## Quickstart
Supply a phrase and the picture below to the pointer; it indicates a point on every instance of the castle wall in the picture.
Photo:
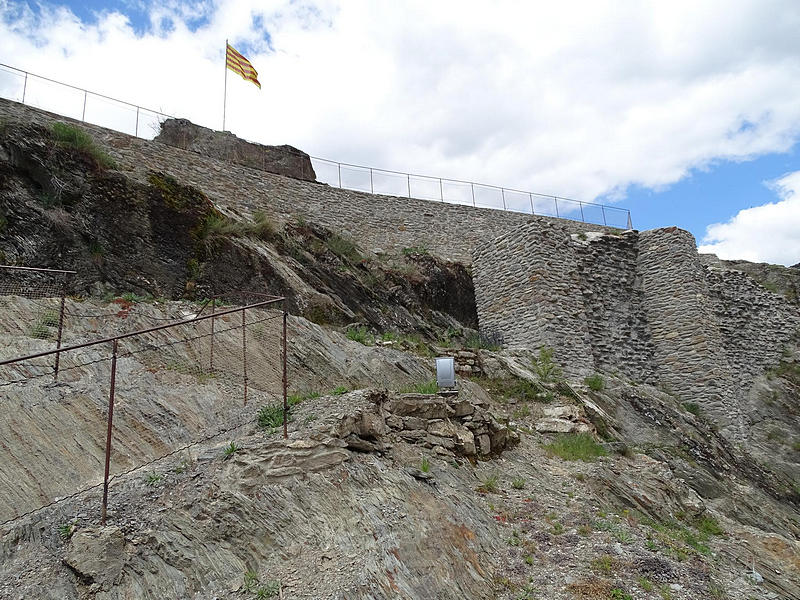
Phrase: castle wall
(638, 304)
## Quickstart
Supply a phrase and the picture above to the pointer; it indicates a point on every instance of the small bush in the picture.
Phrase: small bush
(250, 581)
(620, 594)
(595, 382)
(415, 250)
(270, 416)
(709, 525)
(580, 446)
(692, 407)
(605, 564)
(490, 485)
(261, 227)
(360, 335)
(518, 483)
(230, 450)
(67, 529)
(484, 341)
(153, 479)
(343, 248)
(425, 467)
(338, 391)
(429, 387)
(40, 331)
(70, 136)
(544, 367)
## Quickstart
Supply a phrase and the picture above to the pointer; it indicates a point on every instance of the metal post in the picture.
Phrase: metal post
(630, 223)
(136, 133)
(472, 185)
(285, 381)
(555, 201)
(213, 302)
(371, 187)
(503, 193)
(60, 329)
(409, 184)
(244, 354)
(24, 87)
(83, 116)
(603, 209)
(582, 219)
(340, 174)
(533, 212)
(108, 431)
(441, 189)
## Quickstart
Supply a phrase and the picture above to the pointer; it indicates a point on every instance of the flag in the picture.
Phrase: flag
(239, 64)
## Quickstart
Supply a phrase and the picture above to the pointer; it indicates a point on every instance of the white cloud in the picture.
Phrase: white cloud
(768, 233)
(575, 98)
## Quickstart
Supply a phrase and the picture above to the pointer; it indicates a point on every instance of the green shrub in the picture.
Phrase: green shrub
(692, 407)
(230, 450)
(40, 331)
(429, 387)
(153, 479)
(518, 483)
(70, 136)
(270, 416)
(360, 335)
(544, 367)
(261, 227)
(425, 467)
(581, 446)
(708, 525)
(415, 250)
(595, 382)
(483, 341)
(338, 391)
(343, 248)
(67, 529)
(490, 485)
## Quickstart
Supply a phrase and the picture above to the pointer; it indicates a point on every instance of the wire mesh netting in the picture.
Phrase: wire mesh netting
(174, 385)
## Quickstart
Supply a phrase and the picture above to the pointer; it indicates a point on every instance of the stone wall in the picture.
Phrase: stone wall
(680, 314)
(641, 304)
(386, 223)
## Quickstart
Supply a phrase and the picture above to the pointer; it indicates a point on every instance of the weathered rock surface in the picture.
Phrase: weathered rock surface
(223, 145)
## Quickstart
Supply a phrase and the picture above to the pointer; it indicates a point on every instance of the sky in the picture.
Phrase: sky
(685, 112)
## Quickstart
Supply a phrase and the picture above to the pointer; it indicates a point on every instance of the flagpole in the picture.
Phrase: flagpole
(225, 96)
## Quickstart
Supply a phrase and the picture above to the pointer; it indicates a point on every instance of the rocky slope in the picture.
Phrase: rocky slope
(526, 484)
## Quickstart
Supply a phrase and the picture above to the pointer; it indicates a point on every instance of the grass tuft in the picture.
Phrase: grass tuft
(580, 446)
(70, 136)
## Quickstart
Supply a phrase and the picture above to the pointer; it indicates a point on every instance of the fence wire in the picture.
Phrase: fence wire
(173, 385)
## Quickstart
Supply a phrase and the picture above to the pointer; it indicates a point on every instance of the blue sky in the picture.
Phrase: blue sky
(685, 112)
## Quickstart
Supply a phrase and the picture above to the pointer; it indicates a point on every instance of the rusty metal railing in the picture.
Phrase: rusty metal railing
(178, 347)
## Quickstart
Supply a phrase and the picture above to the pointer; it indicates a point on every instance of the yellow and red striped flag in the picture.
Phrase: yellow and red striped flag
(239, 64)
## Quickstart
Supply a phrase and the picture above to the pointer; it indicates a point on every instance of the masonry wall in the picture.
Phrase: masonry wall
(385, 223)
(640, 304)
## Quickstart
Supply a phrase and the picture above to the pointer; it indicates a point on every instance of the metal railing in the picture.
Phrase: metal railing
(99, 109)
(230, 361)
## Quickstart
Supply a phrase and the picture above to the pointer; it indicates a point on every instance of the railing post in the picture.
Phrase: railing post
(472, 185)
(85, 95)
(340, 173)
(555, 201)
(60, 329)
(441, 189)
(603, 210)
(409, 184)
(582, 219)
(503, 193)
(136, 132)
(371, 187)
(108, 431)
(530, 195)
(211, 362)
(630, 223)
(244, 353)
(25, 87)
(285, 381)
